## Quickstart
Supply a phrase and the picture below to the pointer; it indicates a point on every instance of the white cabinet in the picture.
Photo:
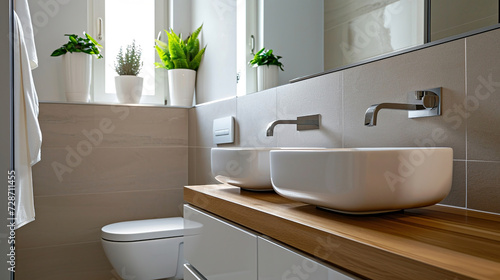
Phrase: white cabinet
(277, 262)
(217, 249)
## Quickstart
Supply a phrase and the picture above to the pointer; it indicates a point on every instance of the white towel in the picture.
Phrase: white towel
(23, 12)
(27, 133)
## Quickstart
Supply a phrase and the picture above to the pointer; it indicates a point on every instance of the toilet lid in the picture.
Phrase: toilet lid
(144, 229)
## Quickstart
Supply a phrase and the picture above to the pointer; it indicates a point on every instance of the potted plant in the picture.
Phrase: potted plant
(267, 68)
(128, 65)
(77, 59)
(181, 58)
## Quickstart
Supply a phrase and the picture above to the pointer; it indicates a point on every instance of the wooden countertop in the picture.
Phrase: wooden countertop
(434, 242)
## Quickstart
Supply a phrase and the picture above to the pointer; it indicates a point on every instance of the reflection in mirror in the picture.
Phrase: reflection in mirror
(453, 17)
(321, 35)
(318, 35)
(357, 30)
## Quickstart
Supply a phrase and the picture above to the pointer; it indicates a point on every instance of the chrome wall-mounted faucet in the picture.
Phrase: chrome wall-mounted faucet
(425, 103)
(303, 123)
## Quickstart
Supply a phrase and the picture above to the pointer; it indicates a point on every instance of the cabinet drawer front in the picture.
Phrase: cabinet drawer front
(277, 262)
(218, 249)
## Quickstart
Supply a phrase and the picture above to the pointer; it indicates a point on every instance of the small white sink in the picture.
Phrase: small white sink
(363, 180)
(247, 168)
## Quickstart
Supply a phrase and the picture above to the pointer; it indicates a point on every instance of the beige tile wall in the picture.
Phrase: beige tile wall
(200, 122)
(482, 121)
(468, 70)
(115, 163)
(321, 95)
(253, 113)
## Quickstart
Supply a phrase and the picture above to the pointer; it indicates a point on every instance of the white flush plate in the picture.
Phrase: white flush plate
(223, 130)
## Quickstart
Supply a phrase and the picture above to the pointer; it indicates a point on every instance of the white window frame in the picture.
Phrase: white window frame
(247, 37)
(96, 14)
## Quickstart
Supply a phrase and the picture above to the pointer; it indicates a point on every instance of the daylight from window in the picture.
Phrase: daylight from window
(127, 20)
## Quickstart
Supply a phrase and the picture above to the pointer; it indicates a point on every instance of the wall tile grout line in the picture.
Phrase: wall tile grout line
(466, 125)
(485, 161)
(109, 192)
(275, 141)
(59, 245)
(343, 107)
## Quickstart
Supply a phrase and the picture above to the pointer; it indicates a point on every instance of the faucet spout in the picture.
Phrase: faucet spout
(272, 125)
(303, 123)
(372, 112)
(422, 103)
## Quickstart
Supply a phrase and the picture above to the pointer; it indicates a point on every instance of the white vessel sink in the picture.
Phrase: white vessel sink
(247, 168)
(363, 180)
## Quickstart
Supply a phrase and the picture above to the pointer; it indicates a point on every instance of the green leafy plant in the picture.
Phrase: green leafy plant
(178, 53)
(129, 63)
(78, 44)
(266, 57)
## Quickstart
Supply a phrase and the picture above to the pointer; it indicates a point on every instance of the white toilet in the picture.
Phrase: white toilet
(145, 249)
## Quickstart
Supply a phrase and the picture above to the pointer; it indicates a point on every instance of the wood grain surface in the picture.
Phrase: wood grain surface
(436, 242)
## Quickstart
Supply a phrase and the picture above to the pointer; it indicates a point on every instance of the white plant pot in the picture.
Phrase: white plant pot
(129, 89)
(267, 77)
(181, 87)
(77, 70)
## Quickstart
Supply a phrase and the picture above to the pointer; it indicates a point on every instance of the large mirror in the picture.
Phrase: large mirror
(312, 36)
(315, 36)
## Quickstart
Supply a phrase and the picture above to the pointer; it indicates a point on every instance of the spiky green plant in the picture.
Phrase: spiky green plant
(129, 63)
(178, 53)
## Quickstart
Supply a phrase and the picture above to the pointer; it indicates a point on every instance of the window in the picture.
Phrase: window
(115, 24)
